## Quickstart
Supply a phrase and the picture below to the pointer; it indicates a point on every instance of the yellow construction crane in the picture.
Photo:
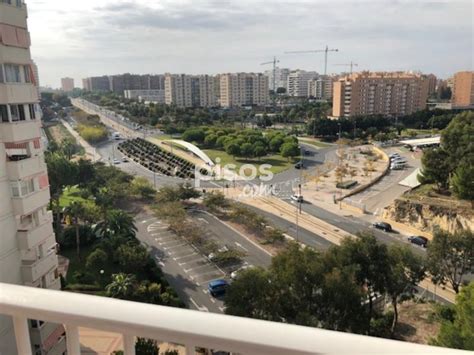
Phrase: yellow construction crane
(326, 50)
(351, 65)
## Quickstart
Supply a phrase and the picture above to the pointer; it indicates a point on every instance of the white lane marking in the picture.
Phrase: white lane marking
(191, 261)
(197, 267)
(174, 246)
(203, 220)
(213, 300)
(200, 308)
(222, 309)
(185, 256)
(205, 291)
(241, 246)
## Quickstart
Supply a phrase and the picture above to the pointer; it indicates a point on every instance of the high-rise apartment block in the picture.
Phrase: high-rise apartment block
(157, 96)
(297, 84)
(463, 89)
(389, 94)
(27, 242)
(121, 82)
(185, 90)
(321, 88)
(281, 78)
(243, 89)
(67, 84)
(96, 83)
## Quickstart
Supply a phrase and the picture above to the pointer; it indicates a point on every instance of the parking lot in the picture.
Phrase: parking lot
(197, 267)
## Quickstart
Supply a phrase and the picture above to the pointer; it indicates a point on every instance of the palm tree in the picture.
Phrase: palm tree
(75, 212)
(122, 286)
(117, 223)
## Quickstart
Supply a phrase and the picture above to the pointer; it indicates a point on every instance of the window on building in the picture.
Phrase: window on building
(21, 110)
(12, 73)
(26, 71)
(4, 113)
(14, 113)
(31, 108)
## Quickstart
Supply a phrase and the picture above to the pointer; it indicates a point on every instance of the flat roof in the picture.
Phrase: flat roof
(422, 141)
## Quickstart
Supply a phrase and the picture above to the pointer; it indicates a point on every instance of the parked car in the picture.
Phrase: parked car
(393, 155)
(398, 160)
(217, 287)
(299, 165)
(383, 226)
(237, 272)
(297, 198)
(212, 256)
(125, 159)
(397, 166)
(116, 161)
(418, 240)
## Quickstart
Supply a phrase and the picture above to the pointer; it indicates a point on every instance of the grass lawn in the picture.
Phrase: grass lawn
(71, 194)
(277, 162)
(314, 142)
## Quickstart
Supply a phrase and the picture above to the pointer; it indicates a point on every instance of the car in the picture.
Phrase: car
(394, 155)
(217, 287)
(397, 166)
(212, 256)
(237, 272)
(299, 165)
(306, 152)
(125, 159)
(398, 159)
(297, 198)
(418, 240)
(383, 226)
(116, 161)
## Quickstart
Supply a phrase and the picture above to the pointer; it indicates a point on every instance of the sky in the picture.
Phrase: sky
(81, 38)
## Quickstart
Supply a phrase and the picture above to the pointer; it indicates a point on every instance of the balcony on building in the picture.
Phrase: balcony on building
(23, 165)
(188, 328)
(32, 270)
(25, 205)
(19, 131)
(33, 233)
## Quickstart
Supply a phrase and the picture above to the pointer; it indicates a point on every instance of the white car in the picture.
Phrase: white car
(116, 161)
(297, 198)
(397, 166)
(237, 272)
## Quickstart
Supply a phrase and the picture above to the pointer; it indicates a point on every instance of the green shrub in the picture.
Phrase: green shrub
(68, 238)
(82, 287)
(92, 134)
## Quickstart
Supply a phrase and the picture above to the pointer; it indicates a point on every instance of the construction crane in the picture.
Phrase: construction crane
(351, 65)
(274, 62)
(326, 50)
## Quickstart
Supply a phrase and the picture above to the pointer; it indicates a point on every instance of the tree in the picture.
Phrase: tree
(117, 223)
(463, 181)
(405, 271)
(96, 260)
(233, 149)
(451, 257)
(436, 168)
(246, 150)
(74, 213)
(456, 139)
(122, 286)
(132, 258)
(459, 333)
(145, 346)
(290, 150)
(141, 187)
(215, 200)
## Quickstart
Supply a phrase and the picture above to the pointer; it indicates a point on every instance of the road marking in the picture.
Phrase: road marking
(191, 261)
(175, 246)
(185, 256)
(241, 246)
(213, 300)
(197, 267)
(205, 291)
(200, 308)
(203, 220)
(222, 309)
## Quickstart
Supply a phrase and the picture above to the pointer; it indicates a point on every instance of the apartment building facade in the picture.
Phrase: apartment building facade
(243, 89)
(281, 78)
(184, 90)
(463, 89)
(27, 243)
(67, 84)
(96, 83)
(380, 93)
(157, 96)
(321, 88)
(297, 83)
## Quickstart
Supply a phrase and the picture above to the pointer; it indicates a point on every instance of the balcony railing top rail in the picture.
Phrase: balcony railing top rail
(187, 327)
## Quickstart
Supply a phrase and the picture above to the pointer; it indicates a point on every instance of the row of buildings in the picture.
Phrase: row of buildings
(183, 90)
(27, 241)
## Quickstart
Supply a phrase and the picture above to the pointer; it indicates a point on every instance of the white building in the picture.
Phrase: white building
(27, 242)
(243, 89)
(281, 78)
(298, 82)
(157, 96)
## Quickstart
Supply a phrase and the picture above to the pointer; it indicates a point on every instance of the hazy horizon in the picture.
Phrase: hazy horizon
(81, 39)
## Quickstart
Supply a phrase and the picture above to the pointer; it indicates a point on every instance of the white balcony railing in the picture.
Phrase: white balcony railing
(189, 328)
